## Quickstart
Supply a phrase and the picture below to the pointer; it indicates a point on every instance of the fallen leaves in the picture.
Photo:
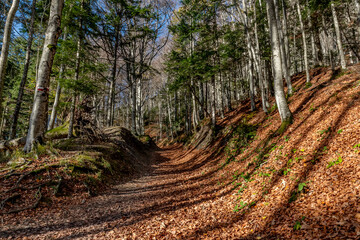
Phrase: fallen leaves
(186, 196)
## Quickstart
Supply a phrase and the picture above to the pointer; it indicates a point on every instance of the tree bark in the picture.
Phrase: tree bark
(286, 34)
(285, 114)
(38, 118)
(5, 48)
(338, 36)
(25, 73)
(284, 61)
(213, 101)
(160, 119)
(304, 42)
(110, 116)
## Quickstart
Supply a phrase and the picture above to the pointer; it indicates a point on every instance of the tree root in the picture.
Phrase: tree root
(29, 207)
(57, 188)
(12, 197)
(90, 192)
(49, 183)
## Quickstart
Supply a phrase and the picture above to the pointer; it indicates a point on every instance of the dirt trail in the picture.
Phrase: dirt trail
(169, 202)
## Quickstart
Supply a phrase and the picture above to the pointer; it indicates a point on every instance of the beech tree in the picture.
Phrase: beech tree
(285, 114)
(5, 48)
(38, 118)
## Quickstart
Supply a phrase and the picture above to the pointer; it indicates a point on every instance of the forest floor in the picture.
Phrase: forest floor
(248, 184)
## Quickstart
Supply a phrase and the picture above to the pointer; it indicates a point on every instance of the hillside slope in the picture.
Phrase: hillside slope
(250, 183)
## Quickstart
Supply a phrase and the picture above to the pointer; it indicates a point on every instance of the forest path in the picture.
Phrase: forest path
(175, 200)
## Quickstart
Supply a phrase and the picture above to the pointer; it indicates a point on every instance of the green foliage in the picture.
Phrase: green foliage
(325, 131)
(295, 194)
(337, 161)
(287, 171)
(240, 206)
(273, 108)
(297, 225)
(357, 148)
(301, 186)
(308, 85)
(241, 137)
(312, 108)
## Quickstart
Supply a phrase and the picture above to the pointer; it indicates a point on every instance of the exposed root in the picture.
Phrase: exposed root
(12, 197)
(29, 207)
(58, 186)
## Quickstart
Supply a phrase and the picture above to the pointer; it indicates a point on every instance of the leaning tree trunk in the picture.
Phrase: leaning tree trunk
(5, 47)
(338, 36)
(285, 113)
(25, 73)
(304, 42)
(38, 118)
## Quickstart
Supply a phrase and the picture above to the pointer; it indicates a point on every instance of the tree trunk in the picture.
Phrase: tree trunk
(38, 118)
(284, 61)
(58, 94)
(304, 42)
(56, 100)
(77, 72)
(286, 34)
(139, 107)
(285, 114)
(25, 73)
(313, 47)
(5, 48)
(252, 86)
(329, 44)
(133, 112)
(338, 37)
(72, 116)
(213, 101)
(169, 117)
(357, 5)
(160, 119)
